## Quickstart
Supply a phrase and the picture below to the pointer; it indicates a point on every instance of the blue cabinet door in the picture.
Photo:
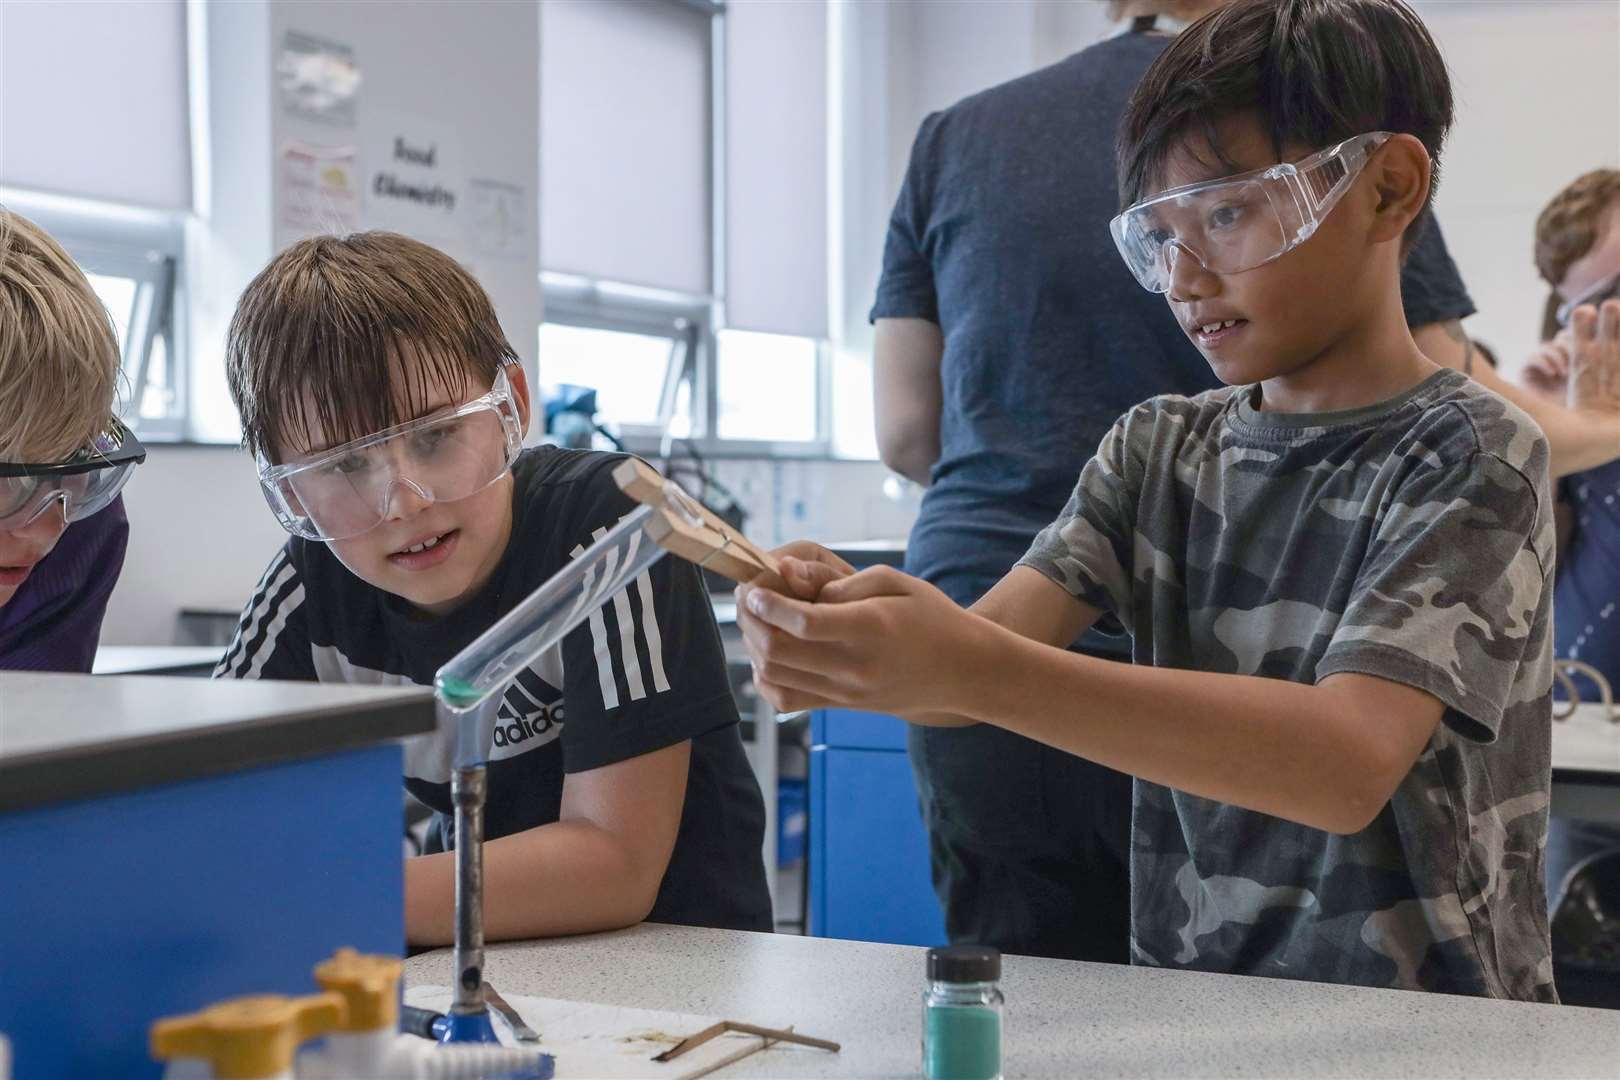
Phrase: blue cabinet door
(856, 730)
(118, 910)
(869, 877)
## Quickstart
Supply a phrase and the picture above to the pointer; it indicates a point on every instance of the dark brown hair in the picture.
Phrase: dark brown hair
(1313, 72)
(354, 334)
(1574, 221)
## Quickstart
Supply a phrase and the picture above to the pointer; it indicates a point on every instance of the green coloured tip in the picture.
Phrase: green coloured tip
(458, 693)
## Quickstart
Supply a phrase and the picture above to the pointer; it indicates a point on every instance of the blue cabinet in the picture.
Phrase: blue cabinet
(869, 877)
(169, 842)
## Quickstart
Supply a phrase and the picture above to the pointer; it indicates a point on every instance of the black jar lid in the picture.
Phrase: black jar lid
(964, 964)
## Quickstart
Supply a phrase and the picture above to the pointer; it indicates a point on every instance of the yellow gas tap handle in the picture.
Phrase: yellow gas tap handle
(249, 1038)
(369, 985)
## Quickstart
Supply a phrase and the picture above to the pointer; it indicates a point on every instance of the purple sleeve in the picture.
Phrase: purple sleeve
(53, 622)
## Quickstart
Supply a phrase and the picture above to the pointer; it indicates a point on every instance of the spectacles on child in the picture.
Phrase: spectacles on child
(345, 491)
(1607, 289)
(78, 487)
(1239, 222)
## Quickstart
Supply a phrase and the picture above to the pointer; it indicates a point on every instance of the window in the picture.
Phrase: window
(627, 370)
(769, 387)
(138, 290)
(132, 260)
(696, 303)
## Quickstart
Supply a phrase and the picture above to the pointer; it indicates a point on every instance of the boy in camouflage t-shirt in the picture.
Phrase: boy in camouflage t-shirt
(1334, 570)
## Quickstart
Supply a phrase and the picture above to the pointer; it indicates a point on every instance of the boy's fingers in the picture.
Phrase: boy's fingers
(799, 682)
(807, 579)
(1594, 367)
(1583, 324)
(806, 551)
(768, 646)
(878, 581)
(1609, 320)
(797, 617)
(784, 700)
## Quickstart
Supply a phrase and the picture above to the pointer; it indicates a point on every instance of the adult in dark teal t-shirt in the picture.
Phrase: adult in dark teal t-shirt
(1010, 337)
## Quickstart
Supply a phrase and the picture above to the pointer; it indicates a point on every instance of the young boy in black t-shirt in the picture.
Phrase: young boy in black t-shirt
(386, 411)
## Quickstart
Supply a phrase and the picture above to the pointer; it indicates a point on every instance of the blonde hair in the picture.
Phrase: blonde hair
(59, 358)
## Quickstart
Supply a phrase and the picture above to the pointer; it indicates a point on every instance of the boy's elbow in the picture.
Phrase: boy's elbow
(1359, 798)
(629, 906)
(1350, 816)
(643, 877)
(906, 459)
(908, 445)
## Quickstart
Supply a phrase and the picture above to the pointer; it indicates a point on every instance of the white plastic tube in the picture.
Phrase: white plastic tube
(565, 600)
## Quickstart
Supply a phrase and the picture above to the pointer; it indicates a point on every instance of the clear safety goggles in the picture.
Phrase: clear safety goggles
(78, 487)
(1239, 222)
(1607, 289)
(347, 490)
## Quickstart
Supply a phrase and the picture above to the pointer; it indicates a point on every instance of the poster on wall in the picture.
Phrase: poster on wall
(415, 176)
(318, 79)
(498, 218)
(319, 189)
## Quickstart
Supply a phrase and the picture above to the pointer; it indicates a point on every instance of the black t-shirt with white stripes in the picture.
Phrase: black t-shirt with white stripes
(647, 671)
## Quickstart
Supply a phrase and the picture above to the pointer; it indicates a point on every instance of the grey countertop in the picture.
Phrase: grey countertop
(1064, 1019)
(155, 659)
(1587, 744)
(72, 736)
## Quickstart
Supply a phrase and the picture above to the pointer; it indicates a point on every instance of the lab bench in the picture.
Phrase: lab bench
(1064, 1018)
(169, 842)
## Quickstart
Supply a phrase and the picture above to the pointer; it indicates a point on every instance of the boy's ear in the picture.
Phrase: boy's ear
(1400, 176)
(519, 380)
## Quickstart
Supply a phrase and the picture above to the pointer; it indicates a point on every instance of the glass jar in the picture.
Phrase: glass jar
(962, 1007)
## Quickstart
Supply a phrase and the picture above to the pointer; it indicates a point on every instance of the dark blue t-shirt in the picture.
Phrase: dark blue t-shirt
(1000, 235)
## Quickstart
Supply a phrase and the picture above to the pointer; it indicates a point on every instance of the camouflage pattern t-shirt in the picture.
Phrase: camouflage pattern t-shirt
(1409, 540)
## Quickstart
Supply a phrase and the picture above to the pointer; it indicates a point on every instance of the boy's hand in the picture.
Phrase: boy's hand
(878, 640)
(806, 567)
(1594, 358)
(1547, 371)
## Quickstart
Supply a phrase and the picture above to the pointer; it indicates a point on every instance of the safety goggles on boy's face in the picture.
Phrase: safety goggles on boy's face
(78, 487)
(347, 490)
(1239, 222)
(1607, 289)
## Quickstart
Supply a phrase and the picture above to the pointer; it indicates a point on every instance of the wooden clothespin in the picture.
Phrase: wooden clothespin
(687, 528)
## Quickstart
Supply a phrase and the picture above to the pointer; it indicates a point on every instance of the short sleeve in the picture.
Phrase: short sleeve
(906, 287)
(272, 638)
(1452, 598)
(1089, 549)
(647, 670)
(1432, 290)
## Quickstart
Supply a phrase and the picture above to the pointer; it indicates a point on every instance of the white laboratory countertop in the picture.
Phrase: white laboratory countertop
(1588, 743)
(155, 659)
(1064, 1019)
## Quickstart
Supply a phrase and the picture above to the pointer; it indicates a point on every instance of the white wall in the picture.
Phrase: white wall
(1537, 84)
(200, 535)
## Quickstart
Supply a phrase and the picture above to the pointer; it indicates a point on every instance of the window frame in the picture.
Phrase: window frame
(573, 301)
(147, 247)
